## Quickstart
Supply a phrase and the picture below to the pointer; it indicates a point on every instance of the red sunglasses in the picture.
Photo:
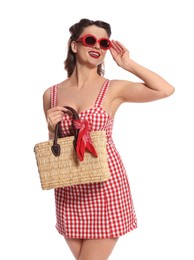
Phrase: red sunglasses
(90, 40)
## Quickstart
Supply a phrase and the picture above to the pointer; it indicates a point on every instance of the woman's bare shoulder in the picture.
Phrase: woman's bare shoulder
(47, 92)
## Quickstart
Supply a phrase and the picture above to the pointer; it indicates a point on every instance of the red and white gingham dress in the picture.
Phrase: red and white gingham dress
(100, 210)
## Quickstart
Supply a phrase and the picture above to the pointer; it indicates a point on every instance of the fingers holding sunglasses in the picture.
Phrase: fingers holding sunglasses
(118, 47)
(119, 53)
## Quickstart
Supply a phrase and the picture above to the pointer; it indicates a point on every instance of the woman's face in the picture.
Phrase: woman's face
(93, 54)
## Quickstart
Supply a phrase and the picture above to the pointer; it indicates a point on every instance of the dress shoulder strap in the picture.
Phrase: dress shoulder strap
(54, 95)
(102, 94)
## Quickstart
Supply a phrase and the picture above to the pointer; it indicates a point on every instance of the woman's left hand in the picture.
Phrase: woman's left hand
(119, 53)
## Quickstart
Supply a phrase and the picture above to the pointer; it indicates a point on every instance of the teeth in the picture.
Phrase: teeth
(94, 53)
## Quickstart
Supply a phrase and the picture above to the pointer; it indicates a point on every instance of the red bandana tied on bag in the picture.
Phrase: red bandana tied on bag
(84, 140)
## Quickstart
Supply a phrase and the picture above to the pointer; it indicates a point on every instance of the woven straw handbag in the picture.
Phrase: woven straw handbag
(72, 160)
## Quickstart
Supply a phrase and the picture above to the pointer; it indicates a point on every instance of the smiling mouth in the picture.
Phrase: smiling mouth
(94, 54)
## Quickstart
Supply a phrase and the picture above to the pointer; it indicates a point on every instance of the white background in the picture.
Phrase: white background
(155, 139)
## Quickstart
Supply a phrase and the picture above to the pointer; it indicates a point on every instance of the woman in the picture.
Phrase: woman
(92, 217)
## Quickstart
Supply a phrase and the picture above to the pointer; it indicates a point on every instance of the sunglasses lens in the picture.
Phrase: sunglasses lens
(90, 40)
(105, 44)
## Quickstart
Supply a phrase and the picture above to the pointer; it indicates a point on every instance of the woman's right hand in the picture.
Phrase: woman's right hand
(53, 116)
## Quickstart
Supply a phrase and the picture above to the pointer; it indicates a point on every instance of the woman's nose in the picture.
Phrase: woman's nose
(96, 46)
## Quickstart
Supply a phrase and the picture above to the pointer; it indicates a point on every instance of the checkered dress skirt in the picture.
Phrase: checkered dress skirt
(99, 210)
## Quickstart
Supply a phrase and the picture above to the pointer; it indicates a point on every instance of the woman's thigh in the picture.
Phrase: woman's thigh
(97, 249)
(75, 246)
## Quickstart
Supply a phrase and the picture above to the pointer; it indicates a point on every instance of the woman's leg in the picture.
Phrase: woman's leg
(97, 249)
(75, 246)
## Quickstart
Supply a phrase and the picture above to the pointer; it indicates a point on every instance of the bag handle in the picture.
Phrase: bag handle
(55, 148)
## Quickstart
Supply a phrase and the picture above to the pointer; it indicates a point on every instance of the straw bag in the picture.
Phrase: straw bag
(73, 160)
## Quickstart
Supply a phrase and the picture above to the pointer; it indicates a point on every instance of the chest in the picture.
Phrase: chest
(80, 99)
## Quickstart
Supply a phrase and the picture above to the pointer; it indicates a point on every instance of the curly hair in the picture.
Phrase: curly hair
(75, 31)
